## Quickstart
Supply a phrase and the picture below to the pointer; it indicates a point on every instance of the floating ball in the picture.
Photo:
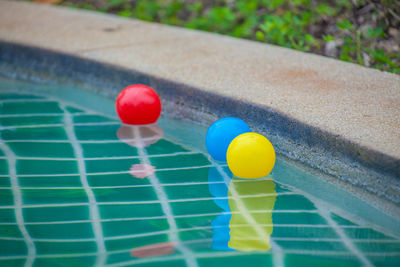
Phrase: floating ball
(138, 104)
(250, 155)
(220, 135)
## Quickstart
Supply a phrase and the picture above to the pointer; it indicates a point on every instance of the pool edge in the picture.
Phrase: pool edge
(332, 154)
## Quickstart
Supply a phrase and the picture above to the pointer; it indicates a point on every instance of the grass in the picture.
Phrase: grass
(359, 31)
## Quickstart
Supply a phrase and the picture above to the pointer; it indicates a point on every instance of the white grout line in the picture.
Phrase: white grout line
(18, 204)
(288, 239)
(31, 115)
(133, 186)
(346, 240)
(51, 239)
(106, 173)
(182, 216)
(194, 228)
(310, 239)
(203, 255)
(106, 158)
(24, 100)
(190, 259)
(93, 208)
(130, 202)
(60, 125)
(278, 255)
(37, 141)
(94, 141)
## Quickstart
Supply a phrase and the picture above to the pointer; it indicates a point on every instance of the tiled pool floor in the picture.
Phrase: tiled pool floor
(77, 188)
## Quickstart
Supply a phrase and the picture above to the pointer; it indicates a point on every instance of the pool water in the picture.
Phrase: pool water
(77, 188)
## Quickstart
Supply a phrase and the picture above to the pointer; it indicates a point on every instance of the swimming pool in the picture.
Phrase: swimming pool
(77, 188)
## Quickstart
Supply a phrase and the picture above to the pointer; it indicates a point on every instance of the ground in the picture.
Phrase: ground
(364, 32)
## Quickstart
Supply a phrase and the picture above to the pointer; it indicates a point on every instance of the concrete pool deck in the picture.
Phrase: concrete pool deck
(334, 116)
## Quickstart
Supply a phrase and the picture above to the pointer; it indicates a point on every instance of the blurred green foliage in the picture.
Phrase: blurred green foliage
(354, 31)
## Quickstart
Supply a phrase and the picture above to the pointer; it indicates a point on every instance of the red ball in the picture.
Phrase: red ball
(138, 104)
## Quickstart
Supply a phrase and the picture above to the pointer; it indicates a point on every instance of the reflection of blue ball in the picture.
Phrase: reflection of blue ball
(220, 135)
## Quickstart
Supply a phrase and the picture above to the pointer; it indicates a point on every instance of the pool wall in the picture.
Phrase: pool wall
(355, 164)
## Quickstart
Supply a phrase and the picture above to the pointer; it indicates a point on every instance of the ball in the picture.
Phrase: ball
(250, 155)
(220, 135)
(138, 104)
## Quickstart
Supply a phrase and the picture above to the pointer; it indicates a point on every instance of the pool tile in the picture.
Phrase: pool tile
(341, 221)
(194, 234)
(164, 147)
(130, 211)
(123, 179)
(41, 133)
(48, 248)
(7, 215)
(194, 221)
(30, 120)
(12, 263)
(53, 196)
(161, 263)
(110, 165)
(124, 228)
(79, 261)
(376, 246)
(5, 182)
(188, 191)
(179, 161)
(50, 181)
(74, 110)
(125, 194)
(200, 246)
(90, 118)
(303, 232)
(100, 150)
(6, 197)
(297, 218)
(56, 214)
(184, 175)
(385, 260)
(312, 245)
(364, 233)
(10, 231)
(293, 260)
(68, 230)
(97, 132)
(3, 167)
(29, 107)
(134, 242)
(12, 247)
(239, 260)
(42, 149)
(286, 202)
(195, 207)
(49, 167)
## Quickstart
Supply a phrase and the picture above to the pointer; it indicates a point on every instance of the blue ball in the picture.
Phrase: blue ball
(220, 135)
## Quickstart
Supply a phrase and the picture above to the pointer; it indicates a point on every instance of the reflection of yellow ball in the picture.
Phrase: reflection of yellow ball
(250, 155)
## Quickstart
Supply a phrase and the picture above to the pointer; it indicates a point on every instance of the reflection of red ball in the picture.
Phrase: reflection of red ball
(138, 104)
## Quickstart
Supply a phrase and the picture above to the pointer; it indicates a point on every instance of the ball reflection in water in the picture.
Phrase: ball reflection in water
(153, 250)
(142, 170)
(140, 136)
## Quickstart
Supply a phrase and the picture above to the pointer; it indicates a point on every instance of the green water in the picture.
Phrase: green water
(79, 189)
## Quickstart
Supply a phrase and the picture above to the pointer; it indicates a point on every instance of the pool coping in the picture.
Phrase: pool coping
(335, 153)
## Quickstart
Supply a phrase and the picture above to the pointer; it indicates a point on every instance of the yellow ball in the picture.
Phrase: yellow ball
(250, 155)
